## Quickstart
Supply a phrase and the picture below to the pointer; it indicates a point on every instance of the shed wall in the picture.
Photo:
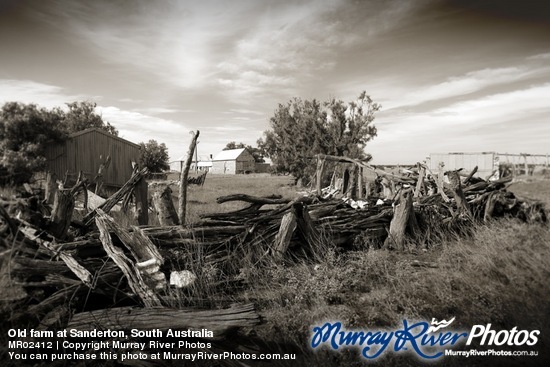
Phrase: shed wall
(82, 153)
(486, 162)
(224, 167)
(242, 164)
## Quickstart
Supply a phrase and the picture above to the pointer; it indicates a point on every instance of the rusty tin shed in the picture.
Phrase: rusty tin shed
(86, 150)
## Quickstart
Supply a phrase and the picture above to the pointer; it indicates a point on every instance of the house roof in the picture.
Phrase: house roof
(228, 155)
(87, 131)
(202, 158)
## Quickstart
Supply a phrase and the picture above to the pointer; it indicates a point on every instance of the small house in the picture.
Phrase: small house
(233, 161)
(86, 150)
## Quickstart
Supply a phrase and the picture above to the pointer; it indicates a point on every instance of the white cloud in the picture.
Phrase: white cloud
(491, 123)
(229, 128)
(138, 127)
(28, 91)
(245, 111)
(465, 84)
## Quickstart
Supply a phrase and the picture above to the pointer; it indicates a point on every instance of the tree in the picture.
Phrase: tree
(25, 131)
(301, 129)
(256, 152)
(154, 156)
(350, 126)
(82, 115)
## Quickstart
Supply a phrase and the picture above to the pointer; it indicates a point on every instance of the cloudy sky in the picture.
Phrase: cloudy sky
(462, 75)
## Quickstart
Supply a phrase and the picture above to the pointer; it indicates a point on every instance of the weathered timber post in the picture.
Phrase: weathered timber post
(283, 237)
(352, 188)
(439, 182)
(51, 188)
(367, 189)
(420, 181)
(182, 204)
(398, 225)
(320, 169)
(387, 188)
(490, 205)
(164, 206)
(359, 182)
(458, 194)
(126, 265)
(306, 228)
(62, 213)
(470, 175)
(142, 204)
(99, 177)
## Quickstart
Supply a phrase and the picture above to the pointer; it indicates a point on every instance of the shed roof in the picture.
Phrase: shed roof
(228, 155)
(87, 131)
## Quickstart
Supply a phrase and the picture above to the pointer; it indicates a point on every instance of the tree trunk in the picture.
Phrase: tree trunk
(164, 206)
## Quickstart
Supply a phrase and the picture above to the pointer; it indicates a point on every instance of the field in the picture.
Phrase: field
(497, 274)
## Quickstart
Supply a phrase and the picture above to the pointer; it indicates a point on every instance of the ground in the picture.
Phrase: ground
(497, 274)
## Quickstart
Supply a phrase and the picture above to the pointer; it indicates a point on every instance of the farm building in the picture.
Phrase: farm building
(204, 164)
(503, 164)
(86, 150)
(233, 161)
(486, 162)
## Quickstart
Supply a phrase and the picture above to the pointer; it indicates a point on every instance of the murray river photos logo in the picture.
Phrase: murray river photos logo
(427, 340)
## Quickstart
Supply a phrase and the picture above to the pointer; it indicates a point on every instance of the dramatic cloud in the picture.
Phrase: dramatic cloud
(450, 75)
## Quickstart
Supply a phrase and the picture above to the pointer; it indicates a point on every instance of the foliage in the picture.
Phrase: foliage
(301, 129)
(154, 156)
(26, 131)
(81, 116)
(256, 152)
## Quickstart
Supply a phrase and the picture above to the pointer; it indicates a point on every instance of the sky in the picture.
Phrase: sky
(451, 75)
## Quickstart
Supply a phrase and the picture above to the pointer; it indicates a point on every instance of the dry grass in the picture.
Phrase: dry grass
(202, 199)
(536, 188)
(496, 275)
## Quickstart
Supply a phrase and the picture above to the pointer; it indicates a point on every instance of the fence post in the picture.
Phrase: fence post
(183, 179)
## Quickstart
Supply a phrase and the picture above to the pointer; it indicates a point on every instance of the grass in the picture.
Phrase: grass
(536, 188)
(202, 199)
(498, 275)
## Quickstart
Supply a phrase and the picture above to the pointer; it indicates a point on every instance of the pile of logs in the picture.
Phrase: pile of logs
(74, 273)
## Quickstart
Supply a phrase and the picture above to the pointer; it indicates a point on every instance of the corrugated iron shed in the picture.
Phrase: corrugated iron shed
(86, 150)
